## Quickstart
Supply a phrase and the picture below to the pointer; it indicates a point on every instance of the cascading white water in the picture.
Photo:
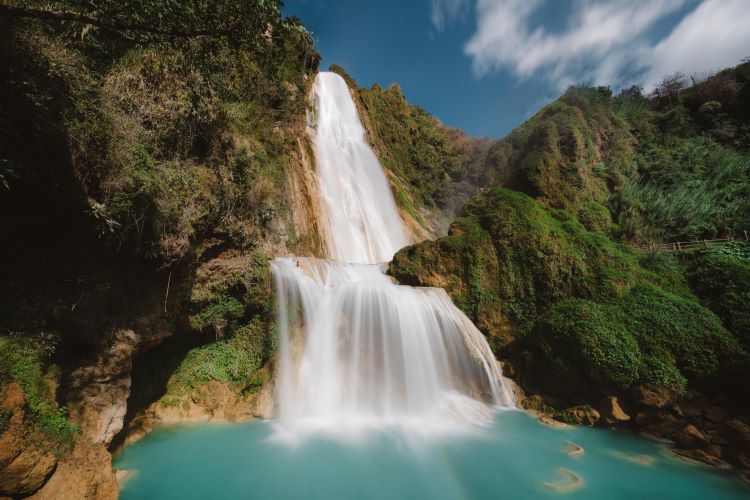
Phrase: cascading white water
(355, 348)
(359, 216)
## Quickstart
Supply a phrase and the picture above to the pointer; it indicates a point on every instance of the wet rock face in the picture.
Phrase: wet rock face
(24, 464)
(85, 473)
(98, 392)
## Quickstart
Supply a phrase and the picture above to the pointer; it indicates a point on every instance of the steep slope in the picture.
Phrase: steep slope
(150, 162)
(585, 320)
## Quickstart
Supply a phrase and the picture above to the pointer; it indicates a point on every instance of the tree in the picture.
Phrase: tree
(633, 93)
(670, 87)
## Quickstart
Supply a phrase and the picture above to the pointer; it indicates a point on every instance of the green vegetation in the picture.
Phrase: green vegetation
(570, 154)
(647, 337)
(589, 316)
(233, 306)
(26, 362)
(720, 277)
(170, 127)
(541, 272)
(235, 360)
(510, 255)
(690, 189)
(671, 167)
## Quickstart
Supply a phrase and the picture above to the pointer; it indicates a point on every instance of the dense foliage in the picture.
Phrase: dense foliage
(26, 362)
(721, 278)
(669, 167)
(589, 316)
(170, 116)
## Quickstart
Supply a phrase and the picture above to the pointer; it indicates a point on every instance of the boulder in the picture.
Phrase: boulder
(86, 473)
(653, 397)
(580, 415)
(689, 437)
(611, 411)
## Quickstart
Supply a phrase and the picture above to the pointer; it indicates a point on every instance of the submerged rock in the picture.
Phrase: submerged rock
(572, 481)
(573, 450)
(547, 420)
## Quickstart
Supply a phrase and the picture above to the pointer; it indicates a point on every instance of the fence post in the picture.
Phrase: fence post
(674, 247)
(746, 238)
(679, 246)
(705, 244)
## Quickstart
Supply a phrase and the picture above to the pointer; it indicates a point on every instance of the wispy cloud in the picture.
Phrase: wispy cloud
(602, 41)
(713, 36)
(446, 11)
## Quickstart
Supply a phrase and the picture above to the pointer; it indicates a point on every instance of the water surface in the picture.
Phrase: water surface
(514, 457)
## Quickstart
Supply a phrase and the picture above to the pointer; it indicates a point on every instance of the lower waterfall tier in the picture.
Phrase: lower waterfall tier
(357, 349)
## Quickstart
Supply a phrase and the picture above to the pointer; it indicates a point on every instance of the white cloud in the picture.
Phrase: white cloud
(713, 36)
(602, 41)
(445, 11)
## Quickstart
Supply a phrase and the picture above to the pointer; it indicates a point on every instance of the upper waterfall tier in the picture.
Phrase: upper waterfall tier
(360, 218)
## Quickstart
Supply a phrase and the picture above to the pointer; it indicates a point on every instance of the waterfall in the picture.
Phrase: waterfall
(359, 216)
(356, 348)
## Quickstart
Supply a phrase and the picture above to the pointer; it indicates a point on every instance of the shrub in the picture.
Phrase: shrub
(234, 360)
(649, 336)
(24, 361)
(720, 277)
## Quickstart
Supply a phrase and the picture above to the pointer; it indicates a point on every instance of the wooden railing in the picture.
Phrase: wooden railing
(679, 246)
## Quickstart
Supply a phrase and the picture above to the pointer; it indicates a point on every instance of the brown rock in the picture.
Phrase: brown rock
(25, 463)
(686, 411)
(533, 402)
(701, 456)
(546, 420)
(654, 397)
(86, 473)
(665, 424)
(642, 418)
(715, 414)
(98, 393)
(736, 430)
(611, 411)
(581, 415)
(689, 437)
(714, 450)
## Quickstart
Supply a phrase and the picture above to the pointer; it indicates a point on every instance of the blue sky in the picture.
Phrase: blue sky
(487, 65)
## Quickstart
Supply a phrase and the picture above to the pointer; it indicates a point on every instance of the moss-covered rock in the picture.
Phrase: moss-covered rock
(648, 337)
(590, 317)
(507, 258)
(570, 153)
